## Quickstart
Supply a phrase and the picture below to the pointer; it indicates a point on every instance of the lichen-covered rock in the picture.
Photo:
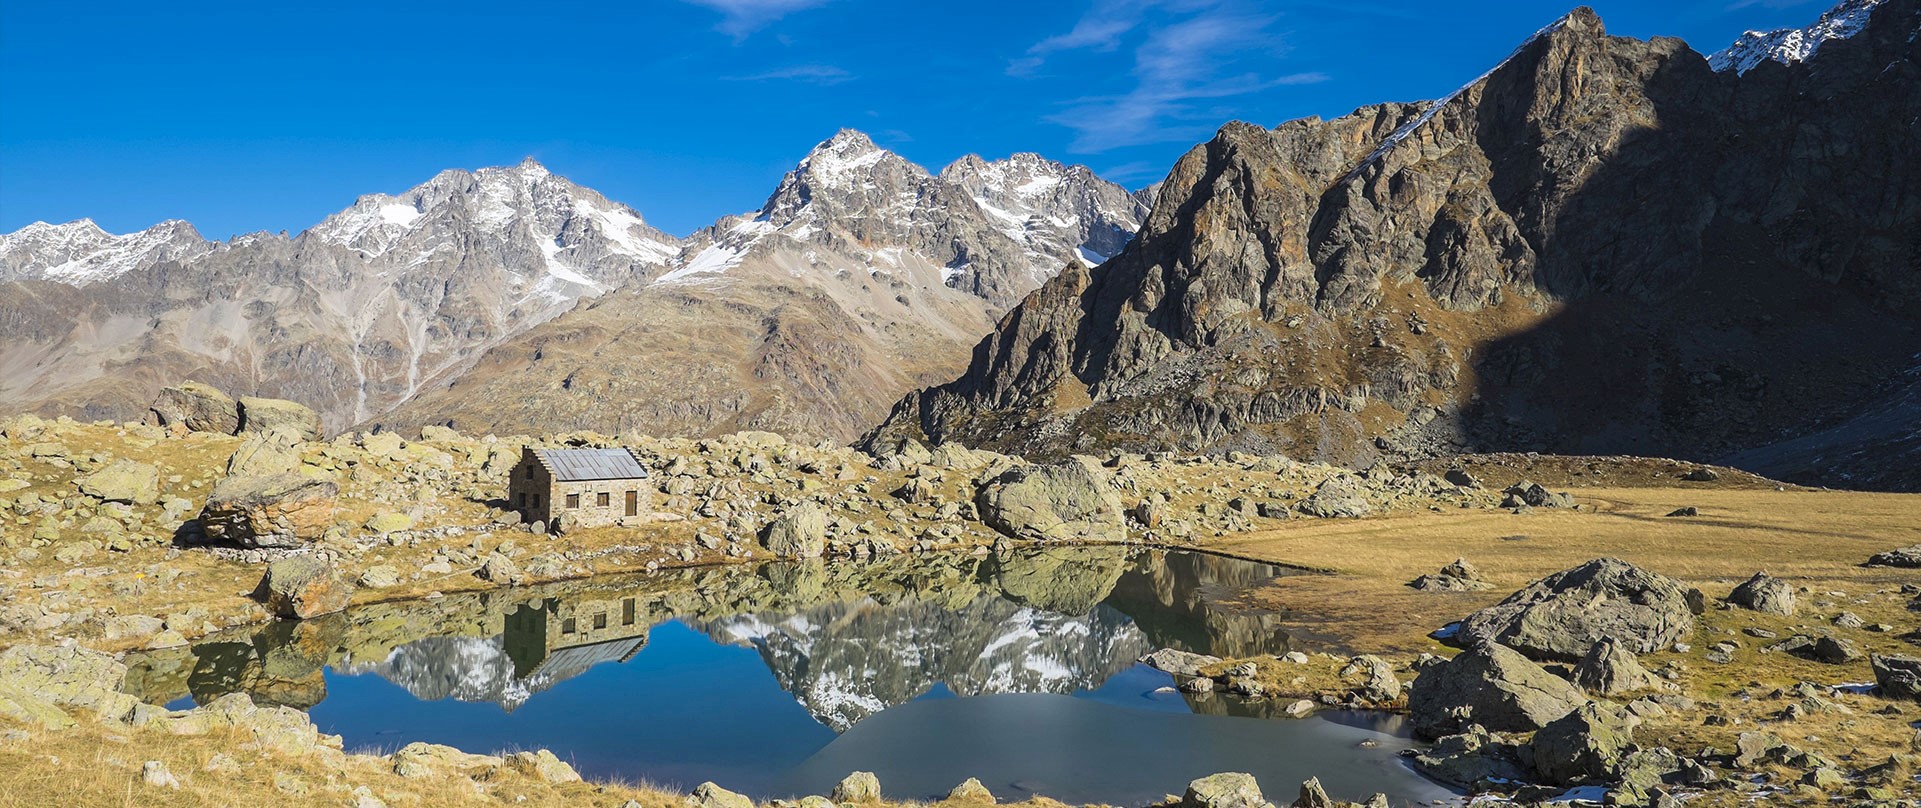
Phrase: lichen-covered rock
(301, 587)
(1610, 668)
(69, 676)
(1583, 746)
(1491, 685)
(267, 414)
(709, 795)
(266, 453)
(1337, 497)
(542, 765)
(970, 790)
(196, 407)
(1178, 662)
(798, 532)
(1224, 790)
(857, 787)
(1766, 594)
(123, 481)
(1563, 615)
(1069, 500)
(279, 510)
(1471, 759)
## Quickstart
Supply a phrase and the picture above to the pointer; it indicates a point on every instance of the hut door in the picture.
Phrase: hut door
(633, 503)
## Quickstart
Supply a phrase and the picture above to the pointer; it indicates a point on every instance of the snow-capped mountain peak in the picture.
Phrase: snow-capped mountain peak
(1792, 45)
(80, 253)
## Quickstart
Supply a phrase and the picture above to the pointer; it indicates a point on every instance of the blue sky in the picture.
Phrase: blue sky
(263, 116)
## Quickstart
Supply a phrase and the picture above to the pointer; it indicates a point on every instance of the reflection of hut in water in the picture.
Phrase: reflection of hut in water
(557, 639)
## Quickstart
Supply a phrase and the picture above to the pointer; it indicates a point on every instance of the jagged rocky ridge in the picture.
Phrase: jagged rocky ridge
(861, 270)
(862, 277)
(1603, 245)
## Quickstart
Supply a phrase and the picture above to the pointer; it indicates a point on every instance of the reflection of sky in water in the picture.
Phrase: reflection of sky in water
(924, 692)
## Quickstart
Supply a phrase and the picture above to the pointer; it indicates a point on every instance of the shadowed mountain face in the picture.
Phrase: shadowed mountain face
(847, 641)
(1601, 246)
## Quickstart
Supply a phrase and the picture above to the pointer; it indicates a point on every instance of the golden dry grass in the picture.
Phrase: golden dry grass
(1817, 539)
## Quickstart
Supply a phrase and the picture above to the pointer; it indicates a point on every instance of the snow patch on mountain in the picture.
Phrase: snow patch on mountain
(1794, 45)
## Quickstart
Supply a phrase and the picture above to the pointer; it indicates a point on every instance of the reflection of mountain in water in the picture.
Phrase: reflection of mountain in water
(846, 661)
(846, 640)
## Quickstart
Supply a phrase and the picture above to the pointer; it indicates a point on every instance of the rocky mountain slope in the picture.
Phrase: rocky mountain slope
(1603, 245)
(352, 316)
(863, 272)
(862, 277)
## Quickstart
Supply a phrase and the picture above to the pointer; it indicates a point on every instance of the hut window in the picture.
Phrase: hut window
(627, 612)
(567, 626)
(600, 620)
(536, 500)
(573, 501)
(523, 499)
(530, 472)
(603, 499)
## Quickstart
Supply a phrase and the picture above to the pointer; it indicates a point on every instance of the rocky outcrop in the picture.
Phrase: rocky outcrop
(195, 407)
(1904, 558)
(1766, 594)
(279, 510)
(1410, 279)
(37, 680)
(1224, 790)
(1584, 746)
(262, 415)
(302, 587)
(799, 532)
(1069, 500)
(1610, 669)
(1899, 677)
(1563, 615)
(1490, 685)
(123, 481)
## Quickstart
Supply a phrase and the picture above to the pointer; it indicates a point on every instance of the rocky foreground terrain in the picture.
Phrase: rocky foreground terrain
(1717, 684)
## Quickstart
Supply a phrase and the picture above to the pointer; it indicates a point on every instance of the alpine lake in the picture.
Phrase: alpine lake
(777, 680)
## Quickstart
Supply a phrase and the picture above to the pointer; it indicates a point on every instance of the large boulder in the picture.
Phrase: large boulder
(1610, 668)
(1766, 594)
(1583, 746)
(263, 453)
(1224, 790)
(67, 675)
(1069, 500)
(1337, 498)
(267, 414)
(1898, 676)
(799, 532)
(1563, 615)
(277, 510)
(1178, 662)
(1491, 685)
(709, 795)
(301, 587)
(1903, 557)
(857, 787)
(196, 407)
(123, 481)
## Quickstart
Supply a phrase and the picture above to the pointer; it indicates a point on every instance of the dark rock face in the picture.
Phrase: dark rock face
(1583, 746)
(1533, 263)
(1563, 615)
(1899, 677)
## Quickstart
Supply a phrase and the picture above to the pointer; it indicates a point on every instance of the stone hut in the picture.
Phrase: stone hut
(576, 488)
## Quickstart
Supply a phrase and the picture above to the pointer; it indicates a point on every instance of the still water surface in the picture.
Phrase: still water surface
(779, 680)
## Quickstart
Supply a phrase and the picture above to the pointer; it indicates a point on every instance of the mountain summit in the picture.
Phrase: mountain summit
(1602, 245)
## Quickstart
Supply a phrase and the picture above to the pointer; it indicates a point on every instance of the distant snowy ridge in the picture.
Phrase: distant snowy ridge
(79, 253)
(1793, 45)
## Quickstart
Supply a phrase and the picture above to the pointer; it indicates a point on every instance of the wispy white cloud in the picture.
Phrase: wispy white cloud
(742, 17)
(1185, 57)
(809, 74)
